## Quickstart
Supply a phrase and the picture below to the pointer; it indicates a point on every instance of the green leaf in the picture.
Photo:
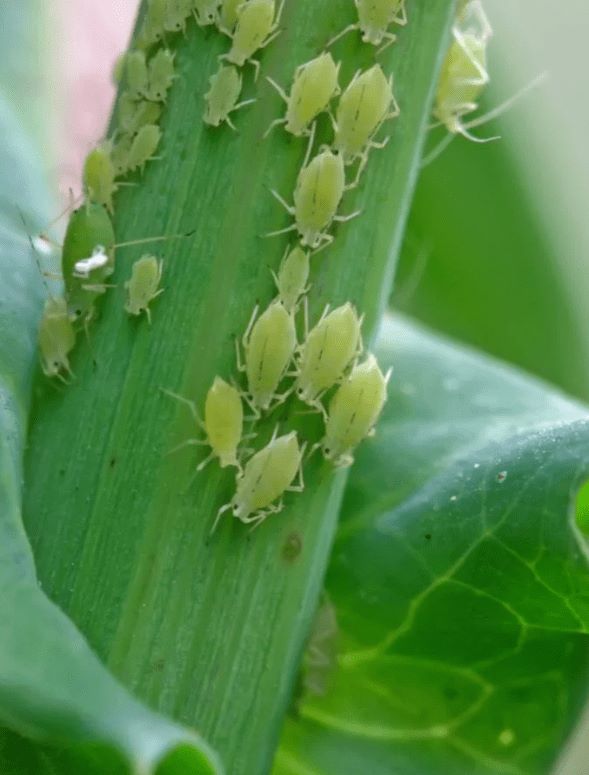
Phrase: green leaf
(53, 689)
(207, 630)
(460, 582)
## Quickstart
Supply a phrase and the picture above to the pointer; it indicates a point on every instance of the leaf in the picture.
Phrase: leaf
(52, 687)
(460, 582)
(210, 630)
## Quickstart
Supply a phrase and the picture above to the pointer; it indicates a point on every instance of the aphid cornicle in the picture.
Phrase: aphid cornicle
(366, 103)
(326, 353)
(137, 75)
(269, 344)
(256, 26)
(206, 11)
(320, 187)
(266, 476)
(56, 338)
(221, 99)
(228, 15)
(161, 75)
(88, 229)
(99, 176)
(314, 85)
(292, 277)
(143, 147)
(374, 19)
(354, 410)
(223, 423)
(143, 286)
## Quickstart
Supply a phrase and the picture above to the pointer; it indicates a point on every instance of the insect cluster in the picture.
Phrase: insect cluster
(281, 359)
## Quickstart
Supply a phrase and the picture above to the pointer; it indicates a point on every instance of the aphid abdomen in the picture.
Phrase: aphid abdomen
(267, 475)
(354, 410)
(314, 85)
(462, 80)
(319, 191)
(255, 20)
(99, 176)
(269, 350)
(327, 351)
(292, 278)
(224, 421)
(143, 286)
(56, 337)
(143, 146)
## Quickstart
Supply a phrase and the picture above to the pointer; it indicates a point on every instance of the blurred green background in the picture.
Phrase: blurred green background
(496, 248)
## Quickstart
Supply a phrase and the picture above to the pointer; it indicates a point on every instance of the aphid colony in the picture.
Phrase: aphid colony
(325, 368)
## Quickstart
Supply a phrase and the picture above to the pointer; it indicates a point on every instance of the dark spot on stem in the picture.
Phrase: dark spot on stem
(428, 536)
(292, 547)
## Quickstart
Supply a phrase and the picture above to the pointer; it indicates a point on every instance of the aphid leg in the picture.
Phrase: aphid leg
(309, 147)
(230, 123)
(344, 218)
(390, 39)
(187, 443)
(280, 231)
(278, 88)
(273, 125)
(256, 519)
(437, 150)
(401, 18)
(323, 241)
(289, 208)
(300, 486)
(341, 34)
(312, 450)
(204, 463)
(363, 161)
(187, 402)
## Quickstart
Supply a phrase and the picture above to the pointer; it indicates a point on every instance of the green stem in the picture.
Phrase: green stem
(211, 631)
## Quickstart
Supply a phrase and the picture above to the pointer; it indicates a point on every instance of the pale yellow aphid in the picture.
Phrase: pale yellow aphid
(315, 84)
(317, 196)
(161, 75)
(228, 15)
(143, 286)
(328, 350)
(176, 14)
(206, 11)
(221, 99)
(56, 338)
(256, 26)
(354, 411)
(143, 146)
(374, 19)
(223, 423)
(266, 476)
(137, 74)
(153, 27)
(99, 176)
(269, 344)
(364, 106)
(292, 277)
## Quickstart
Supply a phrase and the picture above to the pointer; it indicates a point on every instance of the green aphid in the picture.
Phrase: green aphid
(177, 12)
(143, 286)
(153, 27)
(143, 146)
(161, 75)
(228, 15)
(56, 338)
(221, 99)
(292, 277)
(206, 11)
(133, 114)
(120, 154)
(89, 245)
(137, 74)
(99, 176)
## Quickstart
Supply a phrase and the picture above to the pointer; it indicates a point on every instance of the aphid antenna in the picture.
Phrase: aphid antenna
(146, 240)
(508, 103)
(438, 150)
(188, 403)
(220, 513)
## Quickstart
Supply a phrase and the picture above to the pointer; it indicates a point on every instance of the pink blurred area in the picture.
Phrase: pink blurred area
(91, 34)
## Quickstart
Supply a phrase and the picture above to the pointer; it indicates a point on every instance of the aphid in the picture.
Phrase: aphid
(206, 11)
(314, 85)
(143, 146)
(137, 74)
(292, 277)
(152, 29)
(374, 19)
(118, 69)
(326, 353)
(99, 176)
(143, 286)
(133, 114)
(267, 475)
(89, 227)
(161, 75)
(120, 153)
(177, 12)
(221, 99)
(228, 15)
(255, 28)
(269, 344)
(317, 196)
(354, 411)
(56, 338)
(223, 423)
(366, 103)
